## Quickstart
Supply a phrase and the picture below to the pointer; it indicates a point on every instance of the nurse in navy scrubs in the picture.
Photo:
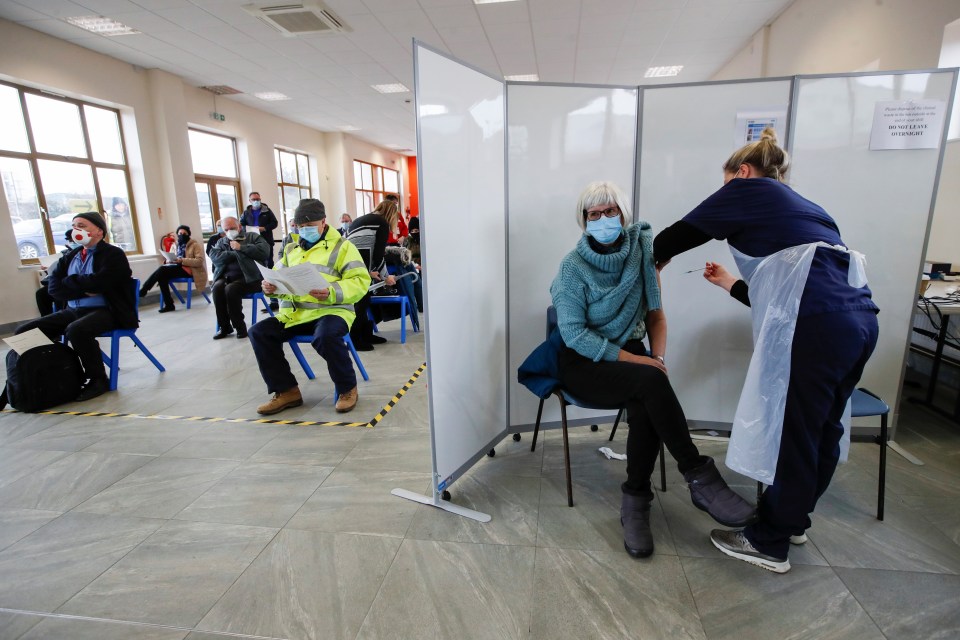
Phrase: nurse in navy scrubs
(815, 326)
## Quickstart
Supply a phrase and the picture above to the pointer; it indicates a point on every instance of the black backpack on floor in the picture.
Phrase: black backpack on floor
(41, 378)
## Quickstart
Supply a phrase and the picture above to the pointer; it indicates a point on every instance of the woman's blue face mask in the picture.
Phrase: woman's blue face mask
(605, 230)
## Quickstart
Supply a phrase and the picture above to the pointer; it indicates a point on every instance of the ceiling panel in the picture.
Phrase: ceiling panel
(328, 76)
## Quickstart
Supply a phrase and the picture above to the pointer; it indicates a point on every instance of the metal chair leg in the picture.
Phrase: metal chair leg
(883, 466)
(536, 427)
(616, 423)
(566, 451)
(663, 469)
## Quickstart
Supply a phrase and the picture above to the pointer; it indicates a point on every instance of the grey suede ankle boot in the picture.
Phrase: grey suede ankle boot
(635, 518)
(709, 492)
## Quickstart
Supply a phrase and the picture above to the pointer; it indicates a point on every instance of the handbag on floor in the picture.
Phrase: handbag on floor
(41, 378)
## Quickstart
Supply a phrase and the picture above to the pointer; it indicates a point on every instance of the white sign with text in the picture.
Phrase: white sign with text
(910, 124)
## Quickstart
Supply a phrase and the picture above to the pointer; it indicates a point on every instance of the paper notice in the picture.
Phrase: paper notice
(252, 229)
(27, 340)
(297, 281)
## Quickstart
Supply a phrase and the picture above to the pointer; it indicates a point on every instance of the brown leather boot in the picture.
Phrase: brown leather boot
(280, 401)
(347, 401)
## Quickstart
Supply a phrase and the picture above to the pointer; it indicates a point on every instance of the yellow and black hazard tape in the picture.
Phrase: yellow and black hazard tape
(395, 399)
(295, 423)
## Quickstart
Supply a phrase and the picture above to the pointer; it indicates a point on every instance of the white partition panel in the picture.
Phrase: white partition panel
(461, 162)
(560, 139)
(881, 200)
(687, 133)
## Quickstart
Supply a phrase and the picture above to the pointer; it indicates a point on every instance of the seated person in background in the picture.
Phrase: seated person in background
(326, 313)
(235, 274)
(607, 297)
(257, 214)
(369, 234)
(345, 221)
(215, 237)
(44, 300)
(92, 283)
(189, 263)
(412, 242)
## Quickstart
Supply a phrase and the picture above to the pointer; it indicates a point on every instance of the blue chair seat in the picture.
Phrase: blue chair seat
(865, 404)
(189, 298)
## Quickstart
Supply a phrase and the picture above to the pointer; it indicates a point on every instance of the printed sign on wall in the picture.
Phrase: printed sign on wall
(910, 124)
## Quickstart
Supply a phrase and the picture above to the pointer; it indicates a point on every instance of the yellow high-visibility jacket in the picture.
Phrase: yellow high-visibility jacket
(338, 260)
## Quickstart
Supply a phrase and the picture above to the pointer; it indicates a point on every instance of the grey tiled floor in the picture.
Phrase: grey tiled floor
(131, 528)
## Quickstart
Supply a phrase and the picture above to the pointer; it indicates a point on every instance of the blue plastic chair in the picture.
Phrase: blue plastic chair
(307, 339)
(865, 403)
(189, 283)
(404, 303)
(566, 399)
(113, 360)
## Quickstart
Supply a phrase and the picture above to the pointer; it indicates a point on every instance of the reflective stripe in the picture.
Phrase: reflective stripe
(332, 260)
(287, 304)
(337, 291)
(356, 264)
(325, 269)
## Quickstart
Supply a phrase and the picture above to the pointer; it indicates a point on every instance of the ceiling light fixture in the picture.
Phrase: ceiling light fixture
(390, 88)
(348, 127)
(272, 96)
(663, 72)
(102, 26)
(433, 110)
(523, 77)
(491, 1)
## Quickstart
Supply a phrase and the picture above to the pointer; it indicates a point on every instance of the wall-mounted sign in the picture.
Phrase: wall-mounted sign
(909, 124)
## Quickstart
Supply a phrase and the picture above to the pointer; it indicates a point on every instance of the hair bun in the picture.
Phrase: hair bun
(769, 134)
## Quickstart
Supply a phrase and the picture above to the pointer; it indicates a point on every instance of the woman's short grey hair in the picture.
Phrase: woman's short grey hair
(598, 193)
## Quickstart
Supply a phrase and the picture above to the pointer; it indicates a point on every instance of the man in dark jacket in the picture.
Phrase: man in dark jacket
(235, 274)
(92, 282)
(257, 214)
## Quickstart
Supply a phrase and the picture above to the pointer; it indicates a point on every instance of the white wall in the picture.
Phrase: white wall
(835, 36)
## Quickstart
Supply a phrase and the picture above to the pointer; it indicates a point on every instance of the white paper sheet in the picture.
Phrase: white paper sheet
(298, 280)
(27, 340)
(252, 230)
(169, 257)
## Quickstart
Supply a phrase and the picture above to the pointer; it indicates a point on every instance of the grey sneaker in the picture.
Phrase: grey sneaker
(800, 539)
(736, 545)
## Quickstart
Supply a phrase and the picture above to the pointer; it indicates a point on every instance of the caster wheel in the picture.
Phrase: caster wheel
(516, 437)
(594, 427)
(492, 452)
(445, 495)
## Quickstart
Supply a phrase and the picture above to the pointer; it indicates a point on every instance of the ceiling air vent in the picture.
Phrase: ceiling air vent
(221, 90)
(298, 18)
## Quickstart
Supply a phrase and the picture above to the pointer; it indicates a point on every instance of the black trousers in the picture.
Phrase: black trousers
(162, 276)
(829, 353)
(44, 301)
(81, 327)
(228, 301)
(653, 411)
(267, 338)
(362, 329)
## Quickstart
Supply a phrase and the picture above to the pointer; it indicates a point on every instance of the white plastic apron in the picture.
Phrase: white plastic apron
(776, 286)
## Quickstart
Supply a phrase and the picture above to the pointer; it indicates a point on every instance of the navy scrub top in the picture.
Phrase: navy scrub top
(760, 216)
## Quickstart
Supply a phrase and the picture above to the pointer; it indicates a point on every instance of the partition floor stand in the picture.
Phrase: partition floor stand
(439, 503)
(895, 446)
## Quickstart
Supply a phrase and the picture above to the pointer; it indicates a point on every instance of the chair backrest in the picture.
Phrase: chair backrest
(551, 320)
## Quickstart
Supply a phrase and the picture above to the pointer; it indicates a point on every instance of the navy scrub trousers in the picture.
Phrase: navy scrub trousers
(268, 336)
(829, 353)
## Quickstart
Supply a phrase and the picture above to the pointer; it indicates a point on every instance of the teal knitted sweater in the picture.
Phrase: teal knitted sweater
(603, 299)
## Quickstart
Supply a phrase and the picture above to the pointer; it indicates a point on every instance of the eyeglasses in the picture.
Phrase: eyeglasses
(612, 212)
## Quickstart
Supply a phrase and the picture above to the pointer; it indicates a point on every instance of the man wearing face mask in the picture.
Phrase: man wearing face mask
(92, 283)
(235, 274)
(189, 263)
(215, 237)
(326, 313)
(257, 214)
